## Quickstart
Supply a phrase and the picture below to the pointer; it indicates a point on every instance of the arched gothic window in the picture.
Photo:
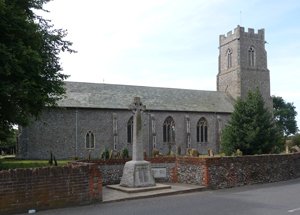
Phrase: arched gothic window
(251, 56)
(90, 140)
(229, 58)
(169, 130)
(202, 130)
(130, 130)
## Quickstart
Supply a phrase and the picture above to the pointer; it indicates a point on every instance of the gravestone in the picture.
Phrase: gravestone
(137, 172)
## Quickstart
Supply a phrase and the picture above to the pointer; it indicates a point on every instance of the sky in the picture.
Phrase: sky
(174, 43)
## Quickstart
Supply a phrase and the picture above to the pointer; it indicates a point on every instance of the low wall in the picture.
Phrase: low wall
(112, 170)
(49, 187)
(81, 183)
(238, 171)
(191, 171)
(214, 172)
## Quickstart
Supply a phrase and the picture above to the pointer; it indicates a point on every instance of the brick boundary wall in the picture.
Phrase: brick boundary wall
(49, 187)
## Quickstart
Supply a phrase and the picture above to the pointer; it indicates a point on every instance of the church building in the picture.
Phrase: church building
(94, 117)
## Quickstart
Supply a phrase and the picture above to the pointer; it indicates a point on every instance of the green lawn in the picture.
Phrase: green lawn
(11, 163)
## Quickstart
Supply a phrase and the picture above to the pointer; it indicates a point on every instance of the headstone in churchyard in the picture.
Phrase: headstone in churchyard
(137, 172)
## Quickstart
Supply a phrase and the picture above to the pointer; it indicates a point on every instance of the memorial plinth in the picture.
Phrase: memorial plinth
(137, 172)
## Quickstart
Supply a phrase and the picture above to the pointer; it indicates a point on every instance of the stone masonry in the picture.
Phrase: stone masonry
(239, 75)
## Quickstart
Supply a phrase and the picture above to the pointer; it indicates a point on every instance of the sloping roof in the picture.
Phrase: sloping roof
(111, 96)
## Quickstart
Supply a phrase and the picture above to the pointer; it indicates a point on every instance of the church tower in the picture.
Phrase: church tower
(243, 64)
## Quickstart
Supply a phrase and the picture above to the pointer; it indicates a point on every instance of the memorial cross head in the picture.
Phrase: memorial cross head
(137, 105)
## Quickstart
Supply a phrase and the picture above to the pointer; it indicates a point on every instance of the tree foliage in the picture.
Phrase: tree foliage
(29, 63)
(251, 128)
(10, 141)
(296, 139)
(285, 114)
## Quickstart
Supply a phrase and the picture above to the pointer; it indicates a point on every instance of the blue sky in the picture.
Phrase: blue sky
(174, 43)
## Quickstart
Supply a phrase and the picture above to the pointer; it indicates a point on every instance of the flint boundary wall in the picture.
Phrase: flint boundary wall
(112, 170)
(214, 172)
(49, 187)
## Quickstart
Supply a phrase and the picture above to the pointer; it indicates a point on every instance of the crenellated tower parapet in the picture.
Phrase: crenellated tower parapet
(240, 32)
(243, 63)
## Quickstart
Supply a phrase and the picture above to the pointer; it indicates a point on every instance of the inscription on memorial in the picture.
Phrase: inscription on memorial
(142, 174)
(159, 172)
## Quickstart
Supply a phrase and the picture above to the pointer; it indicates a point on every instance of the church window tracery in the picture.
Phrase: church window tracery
(169, 130)
(202, 130)
(90, 140)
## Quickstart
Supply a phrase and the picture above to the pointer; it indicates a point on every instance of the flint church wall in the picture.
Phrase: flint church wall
(63, 131)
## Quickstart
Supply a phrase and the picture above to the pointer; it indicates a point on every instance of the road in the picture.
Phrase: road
(276, 199)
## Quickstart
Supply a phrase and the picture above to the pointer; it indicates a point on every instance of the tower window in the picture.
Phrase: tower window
(251, 56)
(229, 58)
(90, 140)
(202, 130)
(169, 130)
(130, 130)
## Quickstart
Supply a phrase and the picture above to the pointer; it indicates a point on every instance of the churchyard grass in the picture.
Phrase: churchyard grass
(9, 163)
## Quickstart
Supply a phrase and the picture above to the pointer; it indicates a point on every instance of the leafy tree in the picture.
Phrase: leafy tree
(251, 128)
(284, 114)
(10, 142)
(296, 139)
(29, 63)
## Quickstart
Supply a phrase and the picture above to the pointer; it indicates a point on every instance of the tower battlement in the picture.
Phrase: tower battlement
(243, 64)
(239, 32)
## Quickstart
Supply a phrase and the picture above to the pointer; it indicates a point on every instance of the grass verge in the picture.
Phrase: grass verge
(6, 164)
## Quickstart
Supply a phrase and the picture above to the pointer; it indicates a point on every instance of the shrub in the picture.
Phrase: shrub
(188, 151)
(238, 153)
(155, 153)
(105, 154)
(194, 153)
(125, 153)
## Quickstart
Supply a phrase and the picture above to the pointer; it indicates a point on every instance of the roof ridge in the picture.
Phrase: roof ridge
(143, 86)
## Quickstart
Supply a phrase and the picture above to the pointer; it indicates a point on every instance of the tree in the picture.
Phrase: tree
(9, 145)
(284, 115)
(296, 139)
(251, 128)
(29, 64)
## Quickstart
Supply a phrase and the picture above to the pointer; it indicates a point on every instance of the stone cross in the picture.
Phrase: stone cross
(137, 148)
(137, 172)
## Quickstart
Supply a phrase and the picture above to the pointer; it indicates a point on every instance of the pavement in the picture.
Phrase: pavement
(113, 194)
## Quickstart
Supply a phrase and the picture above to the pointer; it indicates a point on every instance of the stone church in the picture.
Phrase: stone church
(94, 117)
